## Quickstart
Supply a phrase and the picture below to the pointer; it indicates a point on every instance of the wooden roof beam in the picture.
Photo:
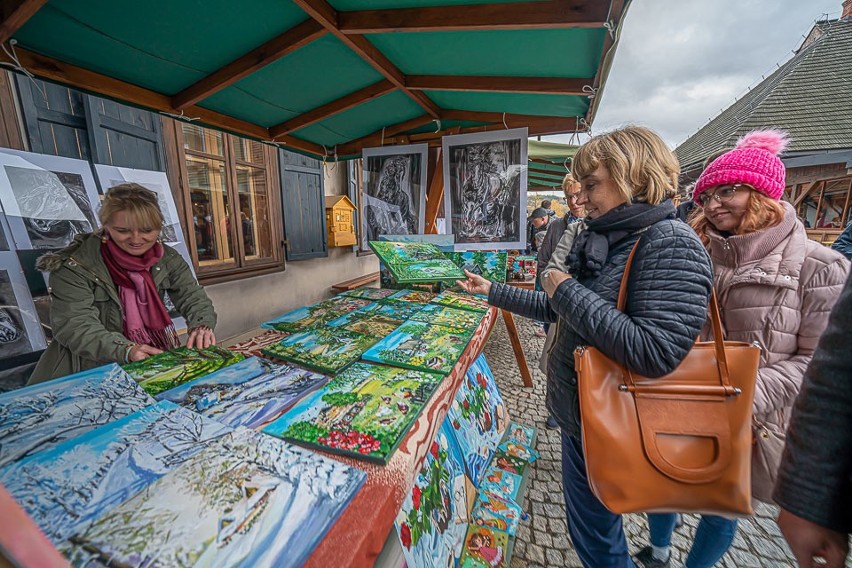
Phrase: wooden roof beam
(546, 14)
(16, 13)
(538, 125)
(387, 133)
(327, 16)
(72, 76)
(276, 48)
(368, 93)
(531, 85)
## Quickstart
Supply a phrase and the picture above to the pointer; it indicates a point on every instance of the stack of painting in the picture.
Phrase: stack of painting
(417, 345)
(326, 350)
(364, 412)
(173, 368)
(416, 262)
(250, 393)
(444, 244)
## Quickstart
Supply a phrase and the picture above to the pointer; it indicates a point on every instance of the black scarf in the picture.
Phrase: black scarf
(591, 247)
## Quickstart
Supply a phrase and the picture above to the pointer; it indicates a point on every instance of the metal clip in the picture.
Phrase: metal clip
(738, 391)
(622, 388)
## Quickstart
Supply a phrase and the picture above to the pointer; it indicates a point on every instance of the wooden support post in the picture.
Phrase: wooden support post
(843, 219)
(819, 206)
(435, 196)
(515, 340)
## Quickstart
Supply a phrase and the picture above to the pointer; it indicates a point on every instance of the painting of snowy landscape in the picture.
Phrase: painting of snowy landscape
(63, 489)
(248, 500)
(250, 393)
(39, 417)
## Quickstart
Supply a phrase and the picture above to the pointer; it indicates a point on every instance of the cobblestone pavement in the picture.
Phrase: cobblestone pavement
(543, 540)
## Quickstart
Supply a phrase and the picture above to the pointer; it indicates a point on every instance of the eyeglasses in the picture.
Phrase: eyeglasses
(723, 194)
(572, 197)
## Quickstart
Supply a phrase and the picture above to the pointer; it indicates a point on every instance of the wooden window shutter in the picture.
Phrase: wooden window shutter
(303, 203)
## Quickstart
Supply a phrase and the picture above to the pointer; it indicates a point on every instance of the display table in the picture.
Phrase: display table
(357, 538)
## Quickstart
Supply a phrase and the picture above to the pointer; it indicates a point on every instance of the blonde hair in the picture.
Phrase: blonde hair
(761, 213)
(139, 202)
(568, 182)
(642, 167)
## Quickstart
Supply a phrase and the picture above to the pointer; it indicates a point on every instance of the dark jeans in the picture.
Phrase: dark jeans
(597, 533)
(712, 539)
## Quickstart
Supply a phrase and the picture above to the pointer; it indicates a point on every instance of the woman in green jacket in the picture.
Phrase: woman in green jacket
(107, 291)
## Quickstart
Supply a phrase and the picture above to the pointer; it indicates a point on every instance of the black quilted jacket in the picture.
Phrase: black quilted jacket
(668, 290)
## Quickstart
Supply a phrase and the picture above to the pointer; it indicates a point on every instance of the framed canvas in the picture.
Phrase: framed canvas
(416, 262)
(496, 513)
(246, 500)
(452, 317)
(485, 547)
(170, 369)
(521, 433)
(67, 486)
(48, 200)
(327, 350)
(364, 412)
(36, 418)
(378, 326)
(394, 191)
(250, 393)
(485, 196)
(416, 345)
(20, 327)
(462, 301)
(252, 346)
(478, 417)
(443, 242)
(491, 265)
(433, 519)
(502, 483)
(316, 315)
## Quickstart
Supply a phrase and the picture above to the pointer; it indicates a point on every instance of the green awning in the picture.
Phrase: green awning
(332, 77)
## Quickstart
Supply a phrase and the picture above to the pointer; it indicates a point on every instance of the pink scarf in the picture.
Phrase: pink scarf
(146, 320)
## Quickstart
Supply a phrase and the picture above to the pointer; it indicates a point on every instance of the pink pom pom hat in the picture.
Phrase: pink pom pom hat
(754, 161)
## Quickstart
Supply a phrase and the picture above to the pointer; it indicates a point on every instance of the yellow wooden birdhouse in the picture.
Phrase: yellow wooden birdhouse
(340, 221)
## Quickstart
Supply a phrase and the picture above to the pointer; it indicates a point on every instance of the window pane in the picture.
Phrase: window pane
(201, 139)
(254, 212)
(248, 151)
(210, 210)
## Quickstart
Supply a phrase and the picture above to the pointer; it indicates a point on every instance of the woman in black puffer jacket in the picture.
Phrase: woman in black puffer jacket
(628, 177)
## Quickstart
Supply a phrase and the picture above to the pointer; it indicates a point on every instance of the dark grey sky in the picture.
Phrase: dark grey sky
(680, 62)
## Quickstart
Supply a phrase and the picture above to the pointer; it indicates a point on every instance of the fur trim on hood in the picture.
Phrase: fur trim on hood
(52, 261)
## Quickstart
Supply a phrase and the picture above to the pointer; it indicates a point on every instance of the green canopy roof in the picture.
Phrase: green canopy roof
(331, 77)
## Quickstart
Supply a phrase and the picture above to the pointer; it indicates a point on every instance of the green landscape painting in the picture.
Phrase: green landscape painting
(316, 315)
(452, 317)
(325, 350)
(491, 265)
(462, 301)
(416, 262)
(416, 345)
(416, 296)
(168, 370)
(369, 293)
(364, 412)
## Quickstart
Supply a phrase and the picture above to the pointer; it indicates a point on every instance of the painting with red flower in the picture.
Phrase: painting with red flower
(478, 417)
(433, 519)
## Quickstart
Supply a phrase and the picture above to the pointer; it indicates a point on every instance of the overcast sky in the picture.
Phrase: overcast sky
(680, 62)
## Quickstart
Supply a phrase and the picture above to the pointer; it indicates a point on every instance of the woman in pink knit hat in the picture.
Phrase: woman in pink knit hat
(775, 287)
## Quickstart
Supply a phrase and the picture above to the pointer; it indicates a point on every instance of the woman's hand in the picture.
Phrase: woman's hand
(551, 280)
(141, 351)
(475, 284)
(200, 338)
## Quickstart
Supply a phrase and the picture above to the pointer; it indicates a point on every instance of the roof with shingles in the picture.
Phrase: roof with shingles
(809, 96)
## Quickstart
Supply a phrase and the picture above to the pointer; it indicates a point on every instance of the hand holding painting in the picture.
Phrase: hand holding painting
(475, 284)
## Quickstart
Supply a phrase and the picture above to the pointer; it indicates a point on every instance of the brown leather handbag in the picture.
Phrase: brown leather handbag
(681, 442)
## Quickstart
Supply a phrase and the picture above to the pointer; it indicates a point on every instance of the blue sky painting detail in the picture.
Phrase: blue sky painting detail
(39, 417)
(250, 393)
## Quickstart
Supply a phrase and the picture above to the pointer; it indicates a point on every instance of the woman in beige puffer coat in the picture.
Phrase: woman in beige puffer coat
(775, 288)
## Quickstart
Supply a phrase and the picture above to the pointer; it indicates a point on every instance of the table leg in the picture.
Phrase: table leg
(516, 346)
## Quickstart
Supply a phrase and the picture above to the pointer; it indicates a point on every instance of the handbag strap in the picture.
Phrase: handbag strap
(715, 319)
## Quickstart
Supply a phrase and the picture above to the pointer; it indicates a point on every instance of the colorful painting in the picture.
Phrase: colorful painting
(433, 519)
(364, 412)
(491, 265)
(497, 513)
(416, 262)
(452, 317)
(501, 483)
(444, 244)
(516, 449)
(416, 345)
(250, 393)
(478, 416)
(521, 433)
(317, 315)
(416, 296)
(369, 293)
(485, 547)
(168, 370)
(377, 326)
(461, 301)
(248, 500)
(324, 350)
(66, 487)
(251, 347)
(37, 418)
(510, 463)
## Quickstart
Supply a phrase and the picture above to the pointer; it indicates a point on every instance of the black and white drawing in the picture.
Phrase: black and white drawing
(394, 186)
(485, 177)
(20, 331)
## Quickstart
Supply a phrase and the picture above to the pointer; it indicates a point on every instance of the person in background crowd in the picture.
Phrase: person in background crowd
(546, 206)
(106, 291)
(843, 244)
(814, 487)
(687, 207)
(538, 225)
(775, 287)
(628, 177)
(555, 232)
